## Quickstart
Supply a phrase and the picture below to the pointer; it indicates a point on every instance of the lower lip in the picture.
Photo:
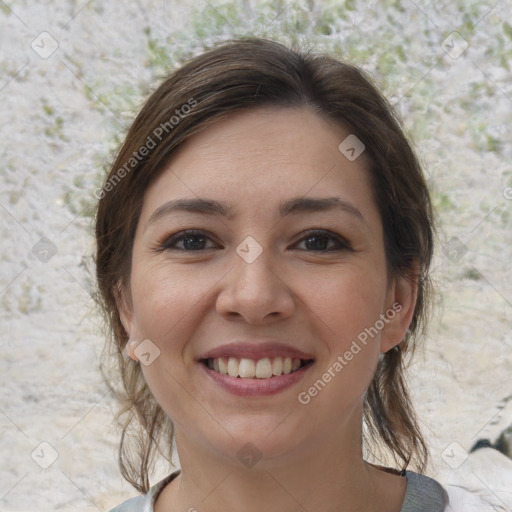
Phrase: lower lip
(256, 387)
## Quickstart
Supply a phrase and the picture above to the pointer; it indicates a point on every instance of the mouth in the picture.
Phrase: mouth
(266, 368)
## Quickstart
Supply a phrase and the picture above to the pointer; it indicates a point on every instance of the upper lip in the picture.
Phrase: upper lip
(255, 350)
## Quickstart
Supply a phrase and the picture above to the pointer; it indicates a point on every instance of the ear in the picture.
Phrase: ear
(400, 305)
(125, 308)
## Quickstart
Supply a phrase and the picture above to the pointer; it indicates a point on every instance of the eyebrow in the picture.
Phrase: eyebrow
(293, 206)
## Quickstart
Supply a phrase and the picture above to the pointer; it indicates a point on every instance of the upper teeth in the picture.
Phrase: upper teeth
(249, 368)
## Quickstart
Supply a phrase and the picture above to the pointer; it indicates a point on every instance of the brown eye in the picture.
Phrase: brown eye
(318, 241)
(186, 241)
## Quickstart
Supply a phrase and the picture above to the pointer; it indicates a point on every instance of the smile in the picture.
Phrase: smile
(265, 368)
(250, 378)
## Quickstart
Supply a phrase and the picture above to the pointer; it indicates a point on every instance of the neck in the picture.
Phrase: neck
(326, 476)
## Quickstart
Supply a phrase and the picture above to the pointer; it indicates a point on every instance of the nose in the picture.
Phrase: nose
(255, 291)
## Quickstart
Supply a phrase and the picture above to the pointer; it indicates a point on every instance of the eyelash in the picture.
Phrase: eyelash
(167, 244)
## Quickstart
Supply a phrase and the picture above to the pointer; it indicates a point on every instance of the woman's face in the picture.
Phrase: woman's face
(267, 275)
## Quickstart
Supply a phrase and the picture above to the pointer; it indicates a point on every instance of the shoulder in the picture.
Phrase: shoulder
(132, 505)
(145, 503)
(427, 494)
(424, 494)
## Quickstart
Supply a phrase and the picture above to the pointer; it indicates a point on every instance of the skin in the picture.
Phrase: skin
(315, 299)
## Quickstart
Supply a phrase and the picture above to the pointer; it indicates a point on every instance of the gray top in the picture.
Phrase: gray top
(423, 494)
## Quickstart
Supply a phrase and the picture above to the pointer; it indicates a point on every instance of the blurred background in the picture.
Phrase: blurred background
(72, 76)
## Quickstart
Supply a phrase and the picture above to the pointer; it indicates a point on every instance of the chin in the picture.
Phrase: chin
(259, 441)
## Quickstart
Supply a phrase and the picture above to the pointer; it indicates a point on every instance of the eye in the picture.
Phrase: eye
(318, 241)
(192, 240)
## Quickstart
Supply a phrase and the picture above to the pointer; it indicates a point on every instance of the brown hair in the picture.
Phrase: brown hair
(238, 75)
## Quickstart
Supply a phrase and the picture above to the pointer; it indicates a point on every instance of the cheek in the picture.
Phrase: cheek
(345, 302)
(163, 298)
(165, 302)
(345, 307)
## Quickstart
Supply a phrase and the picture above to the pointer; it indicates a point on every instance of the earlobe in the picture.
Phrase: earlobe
(401, 305)
(129, 349)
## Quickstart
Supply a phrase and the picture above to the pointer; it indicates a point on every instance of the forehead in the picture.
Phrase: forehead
(259, 157)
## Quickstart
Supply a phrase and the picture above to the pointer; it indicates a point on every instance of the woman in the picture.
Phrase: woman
(264, 241)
